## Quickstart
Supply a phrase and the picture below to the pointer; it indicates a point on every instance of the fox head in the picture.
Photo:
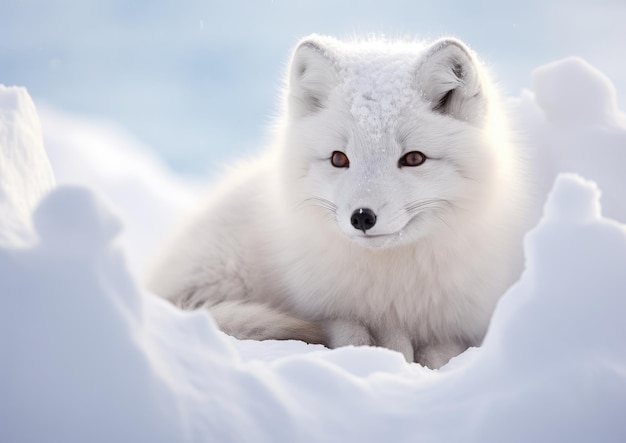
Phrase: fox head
(390, 141)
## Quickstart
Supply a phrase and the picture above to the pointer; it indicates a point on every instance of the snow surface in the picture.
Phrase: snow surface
(25, 174)
(104, 157)
(87, 355)
(571, 123)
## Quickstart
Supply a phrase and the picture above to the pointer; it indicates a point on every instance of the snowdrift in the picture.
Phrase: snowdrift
(88, 356)
(25, 173)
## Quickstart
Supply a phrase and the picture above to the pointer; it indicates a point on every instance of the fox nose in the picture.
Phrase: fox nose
(363, 219)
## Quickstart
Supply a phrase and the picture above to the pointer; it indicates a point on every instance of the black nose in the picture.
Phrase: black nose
(363, 219)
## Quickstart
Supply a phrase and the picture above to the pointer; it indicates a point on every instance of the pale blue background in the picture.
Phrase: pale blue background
(197, 81)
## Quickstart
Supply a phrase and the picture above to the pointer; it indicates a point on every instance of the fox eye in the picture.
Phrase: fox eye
(413, 158)
(339, 160)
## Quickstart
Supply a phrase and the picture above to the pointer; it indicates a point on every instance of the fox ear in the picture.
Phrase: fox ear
(311, 78)
(449, 78)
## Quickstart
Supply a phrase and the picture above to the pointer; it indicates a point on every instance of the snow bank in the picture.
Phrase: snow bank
(571, 123)
(104, 157)
(72, 335)
(89, 356)
(92, 358)
(25, 174)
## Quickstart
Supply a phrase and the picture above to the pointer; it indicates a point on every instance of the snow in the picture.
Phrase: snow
(571, 123)
(87, 355)
(20, 191)
(559, 93)
(106, 158)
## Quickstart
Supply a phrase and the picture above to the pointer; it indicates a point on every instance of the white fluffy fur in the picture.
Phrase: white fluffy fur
(273, 250)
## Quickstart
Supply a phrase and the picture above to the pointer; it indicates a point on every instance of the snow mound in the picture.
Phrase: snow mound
(87, 356)
(72, 337)
(572, 92)
(25, 173)
(101, 361)
(573, 283)
(104, 157)
(557, 335)
(571, 124)
(577, 204)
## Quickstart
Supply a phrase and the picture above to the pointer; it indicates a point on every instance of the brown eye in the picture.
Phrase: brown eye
(413, 158)
(339, 160)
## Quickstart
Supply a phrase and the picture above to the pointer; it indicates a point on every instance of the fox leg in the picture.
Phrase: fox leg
(436, 355)
(341, 332)
(397, 341)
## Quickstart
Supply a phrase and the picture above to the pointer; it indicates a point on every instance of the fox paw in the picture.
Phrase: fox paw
(346, 332)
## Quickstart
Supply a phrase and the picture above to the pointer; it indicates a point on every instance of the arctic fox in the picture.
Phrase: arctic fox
(389, 211)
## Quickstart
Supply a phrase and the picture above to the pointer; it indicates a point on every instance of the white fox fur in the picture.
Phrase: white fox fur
(277, 252)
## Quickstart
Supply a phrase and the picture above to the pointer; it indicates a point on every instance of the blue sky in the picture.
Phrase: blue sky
(197, 81)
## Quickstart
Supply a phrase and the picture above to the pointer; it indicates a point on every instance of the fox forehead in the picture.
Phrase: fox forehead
(378, 90)
(338, 129)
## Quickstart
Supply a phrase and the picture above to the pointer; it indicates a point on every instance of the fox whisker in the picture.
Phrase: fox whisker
(319, 202)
